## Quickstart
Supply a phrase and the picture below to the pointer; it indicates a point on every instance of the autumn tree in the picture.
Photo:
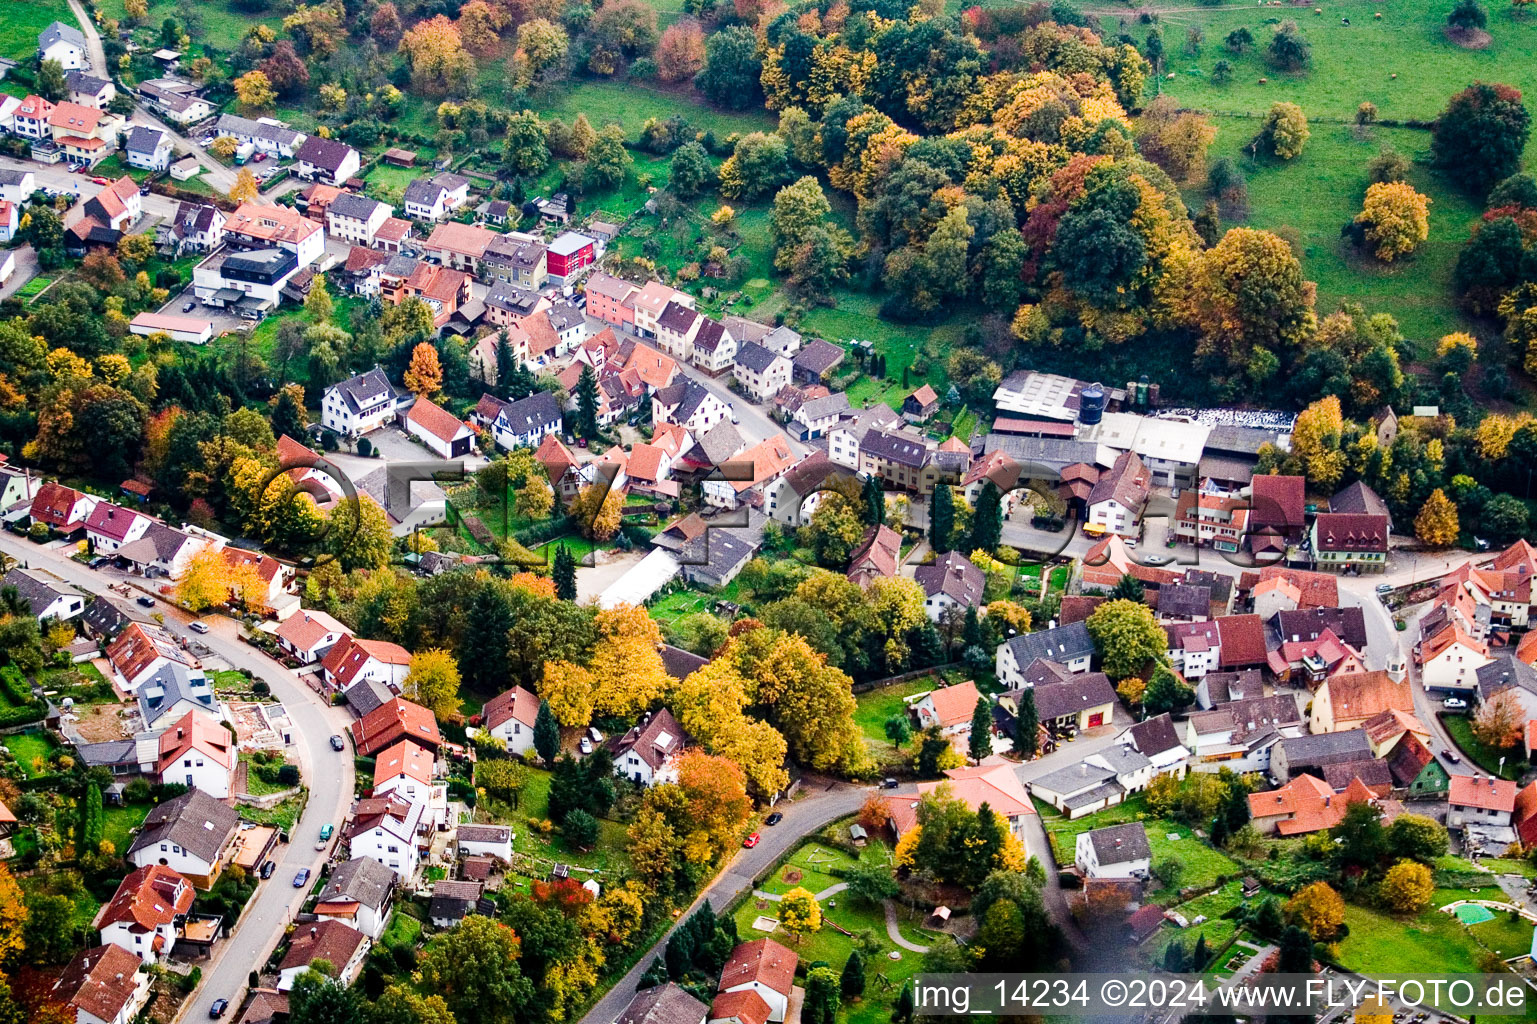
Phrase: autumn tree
(254, 92)
(1395, 219)
(1318, 910)
(385, 26)
(608, 160)
(1480, 136)
(433, 682)
(1436, 524)
(1316, 439)
(211, 579)
(597, 511)
(480, 25)
(1499, 721)
(285, 70)
(424, 377)
(626, 659)
(1250, 300)
(244, 190)
(475, 968)
(1285, 130)
(1175, 140)
(716, 805)
(680, 55)
(13, 916)
(799, 913)
(1407, 887)
(434, 51)
(1127, 636)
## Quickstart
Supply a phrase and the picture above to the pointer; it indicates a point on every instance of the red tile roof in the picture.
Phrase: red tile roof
(1483, 792)
(516, 703)
(101, 981)
(388, 723)
(1310, 803)
(324, 940)
(110, 520)
(1357, 696)
(344, 661)
(436, 420)
(405, 758)
(955, 704)
(56, 505)
(147, 899)
(1243, 640)
(745, 1006)
(196, 731)
(763, 961)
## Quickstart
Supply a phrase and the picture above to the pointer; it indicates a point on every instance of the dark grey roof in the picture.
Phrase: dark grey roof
(664, 1004)
(1182, 599)
(364, 388)
(194, 821)
(1503, 673)
(37, 588)
(1049, 451)
(1122, 759)
(680, 664)
(718, 552)
(564, 316)
(1220, 586)
(172, 683)
(954, 576)
(687, 395)
(361, 880)
(232, 124)
(426, 190)
(1370, 770)
(483, 834)
(1155, 735)
(1044, 671)
(60, 31)
(537, 412)
(522, 301)
(192, 218)
(81, 81)
(167, 540)
(1120, 844)
(1223, 687)
(111, 754)
(1361, 500)
(1089, 690)
(1349, 624)
(834, 404)
(1229, 439)
(365, 696)
(350, 204)
(1063, 644)
(10, 176)
(144, 140)
(709, 336)
(327, 154)
(818, 356)
(717, 444)
(1317, 750)
(1075, 778)
(677, 318)
(894, 447)
(104, 618)
(259, 261)
(654, 740)
(755, 357)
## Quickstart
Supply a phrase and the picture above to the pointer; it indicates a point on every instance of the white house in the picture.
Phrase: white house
(528, 421)
(16, 485)
(326, 160)
(165, 551)
(765, 967)
(88, 90)
(359, 404)
(440, 430)
(110, 526)
(143, 650)
(405, 770)
(148, 149)
(309, 635)
(760, 371)
(351, 661)
(142, 916)
(358, 894)
(948, 708)
(510, 717)
(17, 186)
(1069, 645)
(341, 946)
(46, 594)
(192, 330)
(1119, 851)
(384, 829)
(260, 227)
(1450, 659)
(356, 219)
(1115, 503)
(105, 985)
(434, 198)
(189, 833)
(950, 582)
(485, 840)
(647, 753)
(65, 44)
(690, 405)
(198, 752)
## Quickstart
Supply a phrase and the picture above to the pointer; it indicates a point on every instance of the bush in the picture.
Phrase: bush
(288, 775)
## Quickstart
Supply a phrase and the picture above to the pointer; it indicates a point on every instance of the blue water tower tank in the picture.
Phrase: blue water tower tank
(1091, 404)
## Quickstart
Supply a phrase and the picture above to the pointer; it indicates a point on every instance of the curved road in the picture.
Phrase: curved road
(329, 775)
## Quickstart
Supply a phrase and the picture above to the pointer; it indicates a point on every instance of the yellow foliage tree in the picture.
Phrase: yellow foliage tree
(1010, 615)
(627, 658)
(433, 682)
(211, 579)
(244, 189)
(1494, 432)
(1316, 441)
(13, 916)
(570, 691)
(434, 51)
(1436, 523)
(1396, 219)
(424, 377)
(1318, 910)
(254, 92)
(902, 856)
(1407, 887)
(598, 511)
(800, 913)
(1457, 340)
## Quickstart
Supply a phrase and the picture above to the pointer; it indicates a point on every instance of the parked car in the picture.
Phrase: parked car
(146, 601)
(338, 744)
(890, 783)
(774, 819)
(302, 877)
(100, 181)
(217, 1009)
(585, 745)
(1155, 560)
(98, 561)
(1384, 588)
(198, 627)
(751, 841)
(1454, 704)
(186, 307)
(268, 868)
(259, 157)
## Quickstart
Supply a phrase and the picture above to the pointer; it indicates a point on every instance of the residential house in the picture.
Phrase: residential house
(1071, 704)
(1386, 730)
(188, 833)
(141, 651)
(338, 944)
(356, 219)
(897, 458)
(816, 361)
(689, 404)
(89, 91)
(647, 753)
(264, 135)
(1277, 516)
(328, 161)
(949, 709)
(760, 371)
(485, 841)
(609, 299)
(453, 900)
(308, 635)
(16, 185)
(816, 416)
(1069, 645)
(570, 255)
(352, 660)
(1348, 540)
(148, 149)
(444, 434)
(950, 582)
(252, 282)
(742, 479)
(1093, 783)
(142, 916)
(1480, 801)
(669, 1004)
(995, 786)
(30, 120)
(357, 894)
(516, 259)
(1218, 521)
(1360, 500)
(63, 510)
(1310, 754)
(359, 404)
(406, 770)
(45, 594)
(175, 99)
(196, 227)
(64, 44)
(1306, 804)
(198, 752)
(163, 551)
(110, 526)
(676, 329)
(266, 227)
(384, 829)
(919, 406)
(1509, 674)
(1157, 740)
(171, 692)
(459, 246)
(1416, 771)
(104, 985)
(510, 717)
(715, 557)
(528, 421)
(1346, 701)
(398, 719)
(1115, 503)
(1118, 851)
(435, 198)
(794, 498)
(116, 207)
(1241, 735)
(1450, 659)
(715, 349)
(765, 967)
(877, 555)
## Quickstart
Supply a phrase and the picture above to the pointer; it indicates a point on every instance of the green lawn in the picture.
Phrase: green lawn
(403, 929)
(254, 784)
(873, 708)
(856, 317)
(686, 602)
(1380, 943)
(24, 19)
(121, 823)
(32, 749)
(534, 805)
(606, 101)
(1460, 728)
(807, 869)
(1504, 935)
(1216, 929)
(1202, 863)
(222, 26)
(389, 183)
(284, 815)
(33, 288)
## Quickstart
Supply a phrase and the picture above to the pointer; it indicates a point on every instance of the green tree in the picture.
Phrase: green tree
(608, 161)
(1417, 837)
(1359, 839)
(898, 730)
(1027, 726)
(587, 403)
(732, 67)
(979, 744)
(287, 416)
(1127, 588)
(1466, 16)
(546, 734)
(692, 172)
(875, 502)
(526, 151)
(319, 998)
(822, 996)
(1127, 636)
(1289, 50)
(50, 81)
(987, 519)
(941, 518)
(1165, 692)
(564, 572)
(482, 648)
(580, 829)
(474, 967)
(1481, 135)
(852, 983)
(870, 883)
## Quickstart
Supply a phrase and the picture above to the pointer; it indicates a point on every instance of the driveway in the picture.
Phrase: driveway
(328, 774)
(26, 270)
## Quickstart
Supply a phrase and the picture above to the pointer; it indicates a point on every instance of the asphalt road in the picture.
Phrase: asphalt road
(328, 774)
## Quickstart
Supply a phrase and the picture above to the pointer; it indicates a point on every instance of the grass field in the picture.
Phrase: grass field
(221, 26)
(402, 930)
(534, 804)
(686, 602)
(1381, 944)
(32, 750)
(1202, 864)
(872, 709)
(120, 823)
(1460, 728)
(24, 19)
(607, 101)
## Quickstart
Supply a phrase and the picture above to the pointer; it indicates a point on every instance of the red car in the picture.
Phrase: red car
(100, 181)
(751, 841)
